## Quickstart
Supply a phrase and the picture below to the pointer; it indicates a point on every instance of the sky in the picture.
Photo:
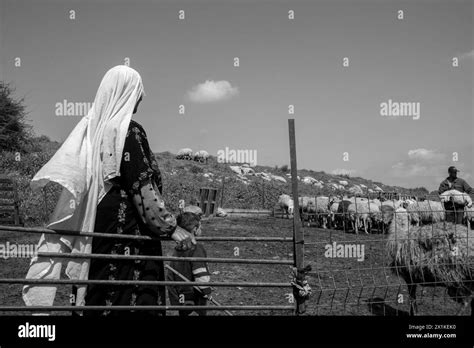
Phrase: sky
(340, 128)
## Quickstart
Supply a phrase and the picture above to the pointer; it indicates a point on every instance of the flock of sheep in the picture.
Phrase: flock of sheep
(353, 213)
(422, 248)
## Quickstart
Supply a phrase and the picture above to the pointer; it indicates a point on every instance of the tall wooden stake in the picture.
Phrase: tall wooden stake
(298, 237)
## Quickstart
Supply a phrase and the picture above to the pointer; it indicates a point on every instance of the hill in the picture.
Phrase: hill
(242, 186)
(259, 186)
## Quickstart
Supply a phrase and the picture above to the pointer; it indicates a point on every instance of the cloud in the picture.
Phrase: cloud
(424, 167)
(467, 55)
(403, 169)
(425, 155)
(418, 167)
(212, 91)
(420, 163)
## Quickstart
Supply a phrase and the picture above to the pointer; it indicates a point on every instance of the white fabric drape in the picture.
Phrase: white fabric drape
(83, 165)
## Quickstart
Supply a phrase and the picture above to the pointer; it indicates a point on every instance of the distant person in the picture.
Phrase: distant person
(195, 271)
(454, 212)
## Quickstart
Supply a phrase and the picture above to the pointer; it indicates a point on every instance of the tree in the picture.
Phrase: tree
(14, 132)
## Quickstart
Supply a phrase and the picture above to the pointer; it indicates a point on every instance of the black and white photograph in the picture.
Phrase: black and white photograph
(305, 167)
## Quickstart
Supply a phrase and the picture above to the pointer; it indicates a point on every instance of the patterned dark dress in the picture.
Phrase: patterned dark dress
(133, 206)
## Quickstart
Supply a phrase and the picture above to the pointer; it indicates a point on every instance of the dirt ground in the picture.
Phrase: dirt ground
(341, 285)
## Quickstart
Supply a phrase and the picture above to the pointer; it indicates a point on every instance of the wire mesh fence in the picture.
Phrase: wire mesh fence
(353, 271)
(417, 256)
(255, 194)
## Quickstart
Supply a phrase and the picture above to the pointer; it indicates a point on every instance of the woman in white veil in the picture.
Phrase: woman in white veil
(111, 184)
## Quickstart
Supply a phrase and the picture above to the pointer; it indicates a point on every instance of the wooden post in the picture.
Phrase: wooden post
(17, 203)
(46, 208)
(222, 192)
(297, 233)
(298, 237)
(208, 201)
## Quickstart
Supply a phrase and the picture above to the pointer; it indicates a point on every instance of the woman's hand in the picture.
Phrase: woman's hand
(183, 238)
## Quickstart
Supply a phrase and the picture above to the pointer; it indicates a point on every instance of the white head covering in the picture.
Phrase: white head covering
(83, 165)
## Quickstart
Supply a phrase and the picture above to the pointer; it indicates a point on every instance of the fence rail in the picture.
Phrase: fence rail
(140, 308)
(143, 238)
(141, 282)
(163, 258)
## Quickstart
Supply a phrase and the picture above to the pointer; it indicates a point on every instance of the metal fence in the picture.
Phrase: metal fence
(251, 247)
(256, 262)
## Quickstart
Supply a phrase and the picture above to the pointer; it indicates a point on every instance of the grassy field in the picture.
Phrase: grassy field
(341, 286)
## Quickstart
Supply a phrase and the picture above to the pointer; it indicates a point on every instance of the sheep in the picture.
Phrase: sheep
(438, 254)
(342, 214)
(393, 203)
(286, 203)
(407, 202)
(318, 206)
(306, 205)
(185, 153)
(356, 213)
(356, 190)
(357, 199)
(426, 212)
(247, 171)
(376, 202)
(377, 189)
(387, 214)
(375, 215)
(343, 182)
(333, 208)
(201, 156)
(309, 180)
(457, 197)
(363, 212)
